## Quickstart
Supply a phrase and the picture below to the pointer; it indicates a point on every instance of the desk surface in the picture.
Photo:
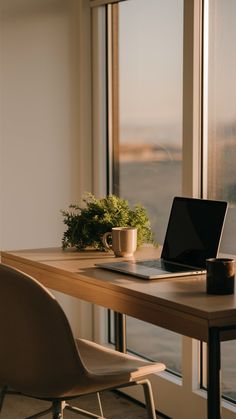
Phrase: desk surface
(177, 304)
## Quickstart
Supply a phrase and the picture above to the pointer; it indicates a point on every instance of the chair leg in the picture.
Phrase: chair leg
(2, 396)
(100, 404)
(83, 412)
(86, 412)
(58, 409)
(147, 388)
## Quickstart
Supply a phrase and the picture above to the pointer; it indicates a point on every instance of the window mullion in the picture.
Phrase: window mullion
(99, 96)
(192, 102)
(113, 97)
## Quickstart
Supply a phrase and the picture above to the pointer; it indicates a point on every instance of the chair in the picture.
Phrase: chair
(40, 358)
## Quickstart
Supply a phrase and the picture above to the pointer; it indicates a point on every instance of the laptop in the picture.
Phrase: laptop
(193, 235)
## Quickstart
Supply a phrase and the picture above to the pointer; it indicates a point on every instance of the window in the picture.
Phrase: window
(221, 112)
(221, 138)
(157, 77)
(148, 141)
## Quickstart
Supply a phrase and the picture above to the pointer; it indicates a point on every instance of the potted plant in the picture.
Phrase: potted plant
(87, 224)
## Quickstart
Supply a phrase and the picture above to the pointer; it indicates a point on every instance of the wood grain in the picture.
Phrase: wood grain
(177, 304)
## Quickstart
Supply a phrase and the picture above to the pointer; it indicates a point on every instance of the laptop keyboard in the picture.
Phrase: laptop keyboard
(166, 266)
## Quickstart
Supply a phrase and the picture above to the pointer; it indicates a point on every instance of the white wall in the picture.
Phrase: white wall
(45, 141)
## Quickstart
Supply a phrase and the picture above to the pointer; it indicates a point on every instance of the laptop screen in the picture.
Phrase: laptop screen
(194, 231)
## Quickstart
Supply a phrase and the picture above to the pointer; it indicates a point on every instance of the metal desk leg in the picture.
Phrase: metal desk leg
(120, 332)
(214, 390)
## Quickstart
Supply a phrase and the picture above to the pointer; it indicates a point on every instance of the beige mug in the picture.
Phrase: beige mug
(124, 241)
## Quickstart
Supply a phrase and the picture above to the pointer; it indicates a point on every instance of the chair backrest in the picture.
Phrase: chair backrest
(38, 354)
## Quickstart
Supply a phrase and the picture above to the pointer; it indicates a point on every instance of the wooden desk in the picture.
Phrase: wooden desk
(180, 305)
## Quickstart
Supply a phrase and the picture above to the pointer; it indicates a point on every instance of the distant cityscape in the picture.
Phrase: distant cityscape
(149, 152)
(163, 143)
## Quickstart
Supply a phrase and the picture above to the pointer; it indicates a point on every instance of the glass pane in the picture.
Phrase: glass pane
(228, 377)
(150, 112)
(221, 112)
(228, 371)
(150, 49)
(160, 344)
(222, 141)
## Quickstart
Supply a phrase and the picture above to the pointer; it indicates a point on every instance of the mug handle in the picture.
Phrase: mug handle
(104, 240)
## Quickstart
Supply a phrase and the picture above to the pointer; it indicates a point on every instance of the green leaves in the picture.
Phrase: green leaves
(86, 225)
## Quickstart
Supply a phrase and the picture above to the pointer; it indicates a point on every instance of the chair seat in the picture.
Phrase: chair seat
(102, 360)
(106, 369)
(110, 368)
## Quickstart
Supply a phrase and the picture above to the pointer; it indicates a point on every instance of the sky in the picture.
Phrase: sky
(151, 57)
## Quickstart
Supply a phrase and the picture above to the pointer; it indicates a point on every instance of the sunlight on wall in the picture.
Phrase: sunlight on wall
(40, 104)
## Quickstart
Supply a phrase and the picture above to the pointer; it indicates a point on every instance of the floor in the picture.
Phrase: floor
(114, 405)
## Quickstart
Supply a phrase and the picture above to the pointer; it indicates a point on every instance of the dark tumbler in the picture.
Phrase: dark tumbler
(220, 276)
